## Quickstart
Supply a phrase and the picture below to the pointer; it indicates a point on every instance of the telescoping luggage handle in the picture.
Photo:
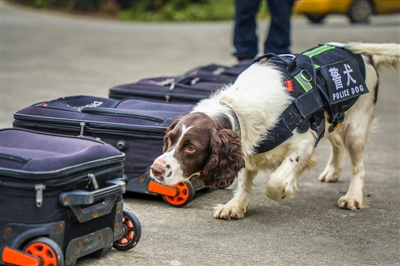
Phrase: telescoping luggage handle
(78, 200)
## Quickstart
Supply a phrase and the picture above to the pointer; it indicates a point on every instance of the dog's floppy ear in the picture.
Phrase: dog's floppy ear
(225, 162)
(171, 127)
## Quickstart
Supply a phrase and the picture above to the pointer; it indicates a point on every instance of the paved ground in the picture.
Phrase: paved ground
(49, 55)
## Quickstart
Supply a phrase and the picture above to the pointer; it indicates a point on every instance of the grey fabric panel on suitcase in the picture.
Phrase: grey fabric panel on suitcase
(136, 127)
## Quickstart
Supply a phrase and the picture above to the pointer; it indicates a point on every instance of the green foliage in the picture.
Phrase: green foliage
(85, 5)
(153, 10)
(182, 10)
(45, 3)
(79, 5)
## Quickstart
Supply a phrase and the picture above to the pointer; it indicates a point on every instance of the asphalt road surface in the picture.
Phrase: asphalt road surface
(46, 55)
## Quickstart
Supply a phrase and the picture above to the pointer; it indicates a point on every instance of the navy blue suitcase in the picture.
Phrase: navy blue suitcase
(61, 199)
(194, 85)
(136, 127)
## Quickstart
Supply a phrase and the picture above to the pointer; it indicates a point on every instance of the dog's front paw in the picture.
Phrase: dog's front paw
(330, 174)
(351, 202)
(228, 211)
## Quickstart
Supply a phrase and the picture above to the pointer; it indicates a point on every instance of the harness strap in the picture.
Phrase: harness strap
(308, 103)
(235, 118)
(294, 115)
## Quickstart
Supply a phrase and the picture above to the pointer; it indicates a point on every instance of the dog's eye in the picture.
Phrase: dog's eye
(190, 148)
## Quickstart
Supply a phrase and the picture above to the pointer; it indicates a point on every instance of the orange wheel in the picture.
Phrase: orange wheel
(184, 196)
(46, 249)
(132, 232)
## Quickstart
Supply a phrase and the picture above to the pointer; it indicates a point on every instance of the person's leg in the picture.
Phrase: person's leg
(245, 39)
(278, 38)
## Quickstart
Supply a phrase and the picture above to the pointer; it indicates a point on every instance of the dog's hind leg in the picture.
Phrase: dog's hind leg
(333, 168)
(355, 139)
(236, 207)
(354, 196)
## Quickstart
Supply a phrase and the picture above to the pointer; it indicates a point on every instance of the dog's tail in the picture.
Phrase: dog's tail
(385, 54)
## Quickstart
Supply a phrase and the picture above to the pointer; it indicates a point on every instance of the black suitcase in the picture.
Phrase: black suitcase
(218, 73)
(136, 127)
(61, 199)
(166, 89)
(194, 85)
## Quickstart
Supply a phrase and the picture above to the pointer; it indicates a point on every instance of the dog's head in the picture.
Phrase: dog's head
(195, 144)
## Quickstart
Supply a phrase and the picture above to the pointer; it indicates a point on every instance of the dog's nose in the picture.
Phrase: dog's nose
(157, 169)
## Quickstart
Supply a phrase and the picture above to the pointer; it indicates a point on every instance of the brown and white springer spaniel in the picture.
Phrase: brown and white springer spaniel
(217, 139)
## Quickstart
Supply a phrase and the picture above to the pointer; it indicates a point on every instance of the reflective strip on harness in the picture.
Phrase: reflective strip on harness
(303, 81)
(319, 50)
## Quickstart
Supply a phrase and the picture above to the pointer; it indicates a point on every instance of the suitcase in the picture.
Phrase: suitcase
(136, 127)
(218, 73)
(194, 85)
(61, 199)
(167, 89)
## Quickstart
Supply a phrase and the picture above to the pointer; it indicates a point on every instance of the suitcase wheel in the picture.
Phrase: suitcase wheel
(185, 193)
(132, 232)
(46, 249)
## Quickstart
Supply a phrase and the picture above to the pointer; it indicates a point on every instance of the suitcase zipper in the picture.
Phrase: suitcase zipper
(147, 94)
(31, 121)
(15, 158)
(60, 176)
(39, 194)
(39, 188)
(92, 179)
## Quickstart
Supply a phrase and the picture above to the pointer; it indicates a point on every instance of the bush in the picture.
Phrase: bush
(172, 11)
(149, 10)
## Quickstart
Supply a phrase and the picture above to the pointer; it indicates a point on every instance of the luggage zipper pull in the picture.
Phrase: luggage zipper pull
(167, 97)
(92, 179)
(39, 194)
(172, 86)
(194, 81)
(82, 124)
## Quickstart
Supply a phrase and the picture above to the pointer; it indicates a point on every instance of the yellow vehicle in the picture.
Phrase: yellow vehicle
(358, 11)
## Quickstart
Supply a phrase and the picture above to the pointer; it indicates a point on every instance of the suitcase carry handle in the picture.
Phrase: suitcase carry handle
(216, 73)
(114, 112)
(78, 200)
(211, 78)
(191, 87)
(193, 80)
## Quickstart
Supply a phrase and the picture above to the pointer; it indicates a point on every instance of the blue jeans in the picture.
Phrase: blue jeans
(245, 39)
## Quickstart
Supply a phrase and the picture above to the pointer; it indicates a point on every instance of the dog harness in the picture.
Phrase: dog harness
(325, 78)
